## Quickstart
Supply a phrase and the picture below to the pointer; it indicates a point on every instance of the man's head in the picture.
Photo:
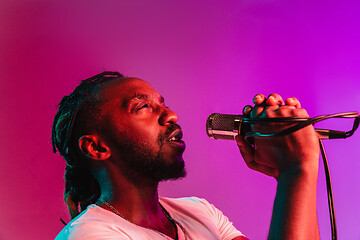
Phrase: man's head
(139, 130)
(123, 120)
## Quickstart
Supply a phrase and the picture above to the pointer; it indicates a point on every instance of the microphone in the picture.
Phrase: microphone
(227, 126)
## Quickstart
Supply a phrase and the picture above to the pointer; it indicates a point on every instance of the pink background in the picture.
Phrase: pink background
(203, 57)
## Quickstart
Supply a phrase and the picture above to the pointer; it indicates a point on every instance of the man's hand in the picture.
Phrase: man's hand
(292, 160)
(276, 155)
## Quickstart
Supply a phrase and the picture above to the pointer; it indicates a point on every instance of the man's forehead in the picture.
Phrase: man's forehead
(130, 88)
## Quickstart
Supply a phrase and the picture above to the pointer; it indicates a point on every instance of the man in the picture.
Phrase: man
(120, 140)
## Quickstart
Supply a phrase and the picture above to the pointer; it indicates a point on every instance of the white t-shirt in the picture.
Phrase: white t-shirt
(199, 219)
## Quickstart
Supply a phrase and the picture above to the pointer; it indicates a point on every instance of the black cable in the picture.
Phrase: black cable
(63, 222)
(302, 122)
(329, 193)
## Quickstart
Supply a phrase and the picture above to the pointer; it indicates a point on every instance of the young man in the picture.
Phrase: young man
(120, 140)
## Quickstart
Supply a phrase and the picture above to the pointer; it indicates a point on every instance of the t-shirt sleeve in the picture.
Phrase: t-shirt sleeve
(226, 228)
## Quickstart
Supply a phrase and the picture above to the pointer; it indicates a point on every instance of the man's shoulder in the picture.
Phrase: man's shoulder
(191, 201)
(89, 220)
(201, 217)
(184, 200)
(187, 204)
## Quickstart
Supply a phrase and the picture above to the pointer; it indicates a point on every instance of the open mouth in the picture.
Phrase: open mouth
(175, 136)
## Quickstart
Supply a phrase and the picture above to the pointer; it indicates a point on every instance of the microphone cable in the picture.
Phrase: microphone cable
(302, 122)
(329, 192)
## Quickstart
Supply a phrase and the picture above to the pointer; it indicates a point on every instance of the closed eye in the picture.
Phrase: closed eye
(142, 107)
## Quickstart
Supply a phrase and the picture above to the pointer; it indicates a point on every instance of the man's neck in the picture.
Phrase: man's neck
(131, 198)
(135, 201)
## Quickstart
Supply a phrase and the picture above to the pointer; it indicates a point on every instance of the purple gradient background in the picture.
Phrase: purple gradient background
(203, 57)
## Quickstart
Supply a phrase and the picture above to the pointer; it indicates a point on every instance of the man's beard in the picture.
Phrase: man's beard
(142, 161)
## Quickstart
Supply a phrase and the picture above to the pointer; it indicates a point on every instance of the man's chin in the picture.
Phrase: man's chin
(174, 171)
(177, 176)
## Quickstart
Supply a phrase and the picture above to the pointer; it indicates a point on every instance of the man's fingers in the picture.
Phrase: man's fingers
(259, 99)
(262, 103)
(247, 109)
(293, 102)
(274, 99)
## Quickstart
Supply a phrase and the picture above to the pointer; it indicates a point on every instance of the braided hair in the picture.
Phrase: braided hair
(79, 113)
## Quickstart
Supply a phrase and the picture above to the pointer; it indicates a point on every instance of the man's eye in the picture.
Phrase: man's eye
(142, 107)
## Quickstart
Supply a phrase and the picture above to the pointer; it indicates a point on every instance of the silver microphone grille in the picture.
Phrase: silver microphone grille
(223, 126)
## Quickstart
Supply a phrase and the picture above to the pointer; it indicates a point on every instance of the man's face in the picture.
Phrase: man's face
(142, 130)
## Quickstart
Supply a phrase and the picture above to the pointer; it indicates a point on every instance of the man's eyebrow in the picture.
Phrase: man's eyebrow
(141, 97)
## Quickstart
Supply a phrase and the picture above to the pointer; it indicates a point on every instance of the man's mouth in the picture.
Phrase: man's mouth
(175, 136)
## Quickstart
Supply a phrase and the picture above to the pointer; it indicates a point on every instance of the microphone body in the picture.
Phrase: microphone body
(227, 126)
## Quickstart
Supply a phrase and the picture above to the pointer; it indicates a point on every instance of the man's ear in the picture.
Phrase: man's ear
(94, 148)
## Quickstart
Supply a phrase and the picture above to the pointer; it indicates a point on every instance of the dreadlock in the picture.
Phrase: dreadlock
(77, 113)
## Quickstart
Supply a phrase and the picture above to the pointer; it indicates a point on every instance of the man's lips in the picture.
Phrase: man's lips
(175, 135)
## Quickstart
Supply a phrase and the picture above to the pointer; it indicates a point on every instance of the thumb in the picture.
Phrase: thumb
(248, 153)
(246, 150)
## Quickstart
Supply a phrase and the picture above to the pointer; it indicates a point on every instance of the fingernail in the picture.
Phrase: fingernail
(246, 109)
(257, 98)
(271, 98)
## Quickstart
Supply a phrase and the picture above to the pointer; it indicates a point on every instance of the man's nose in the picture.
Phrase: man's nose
(168, 117)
